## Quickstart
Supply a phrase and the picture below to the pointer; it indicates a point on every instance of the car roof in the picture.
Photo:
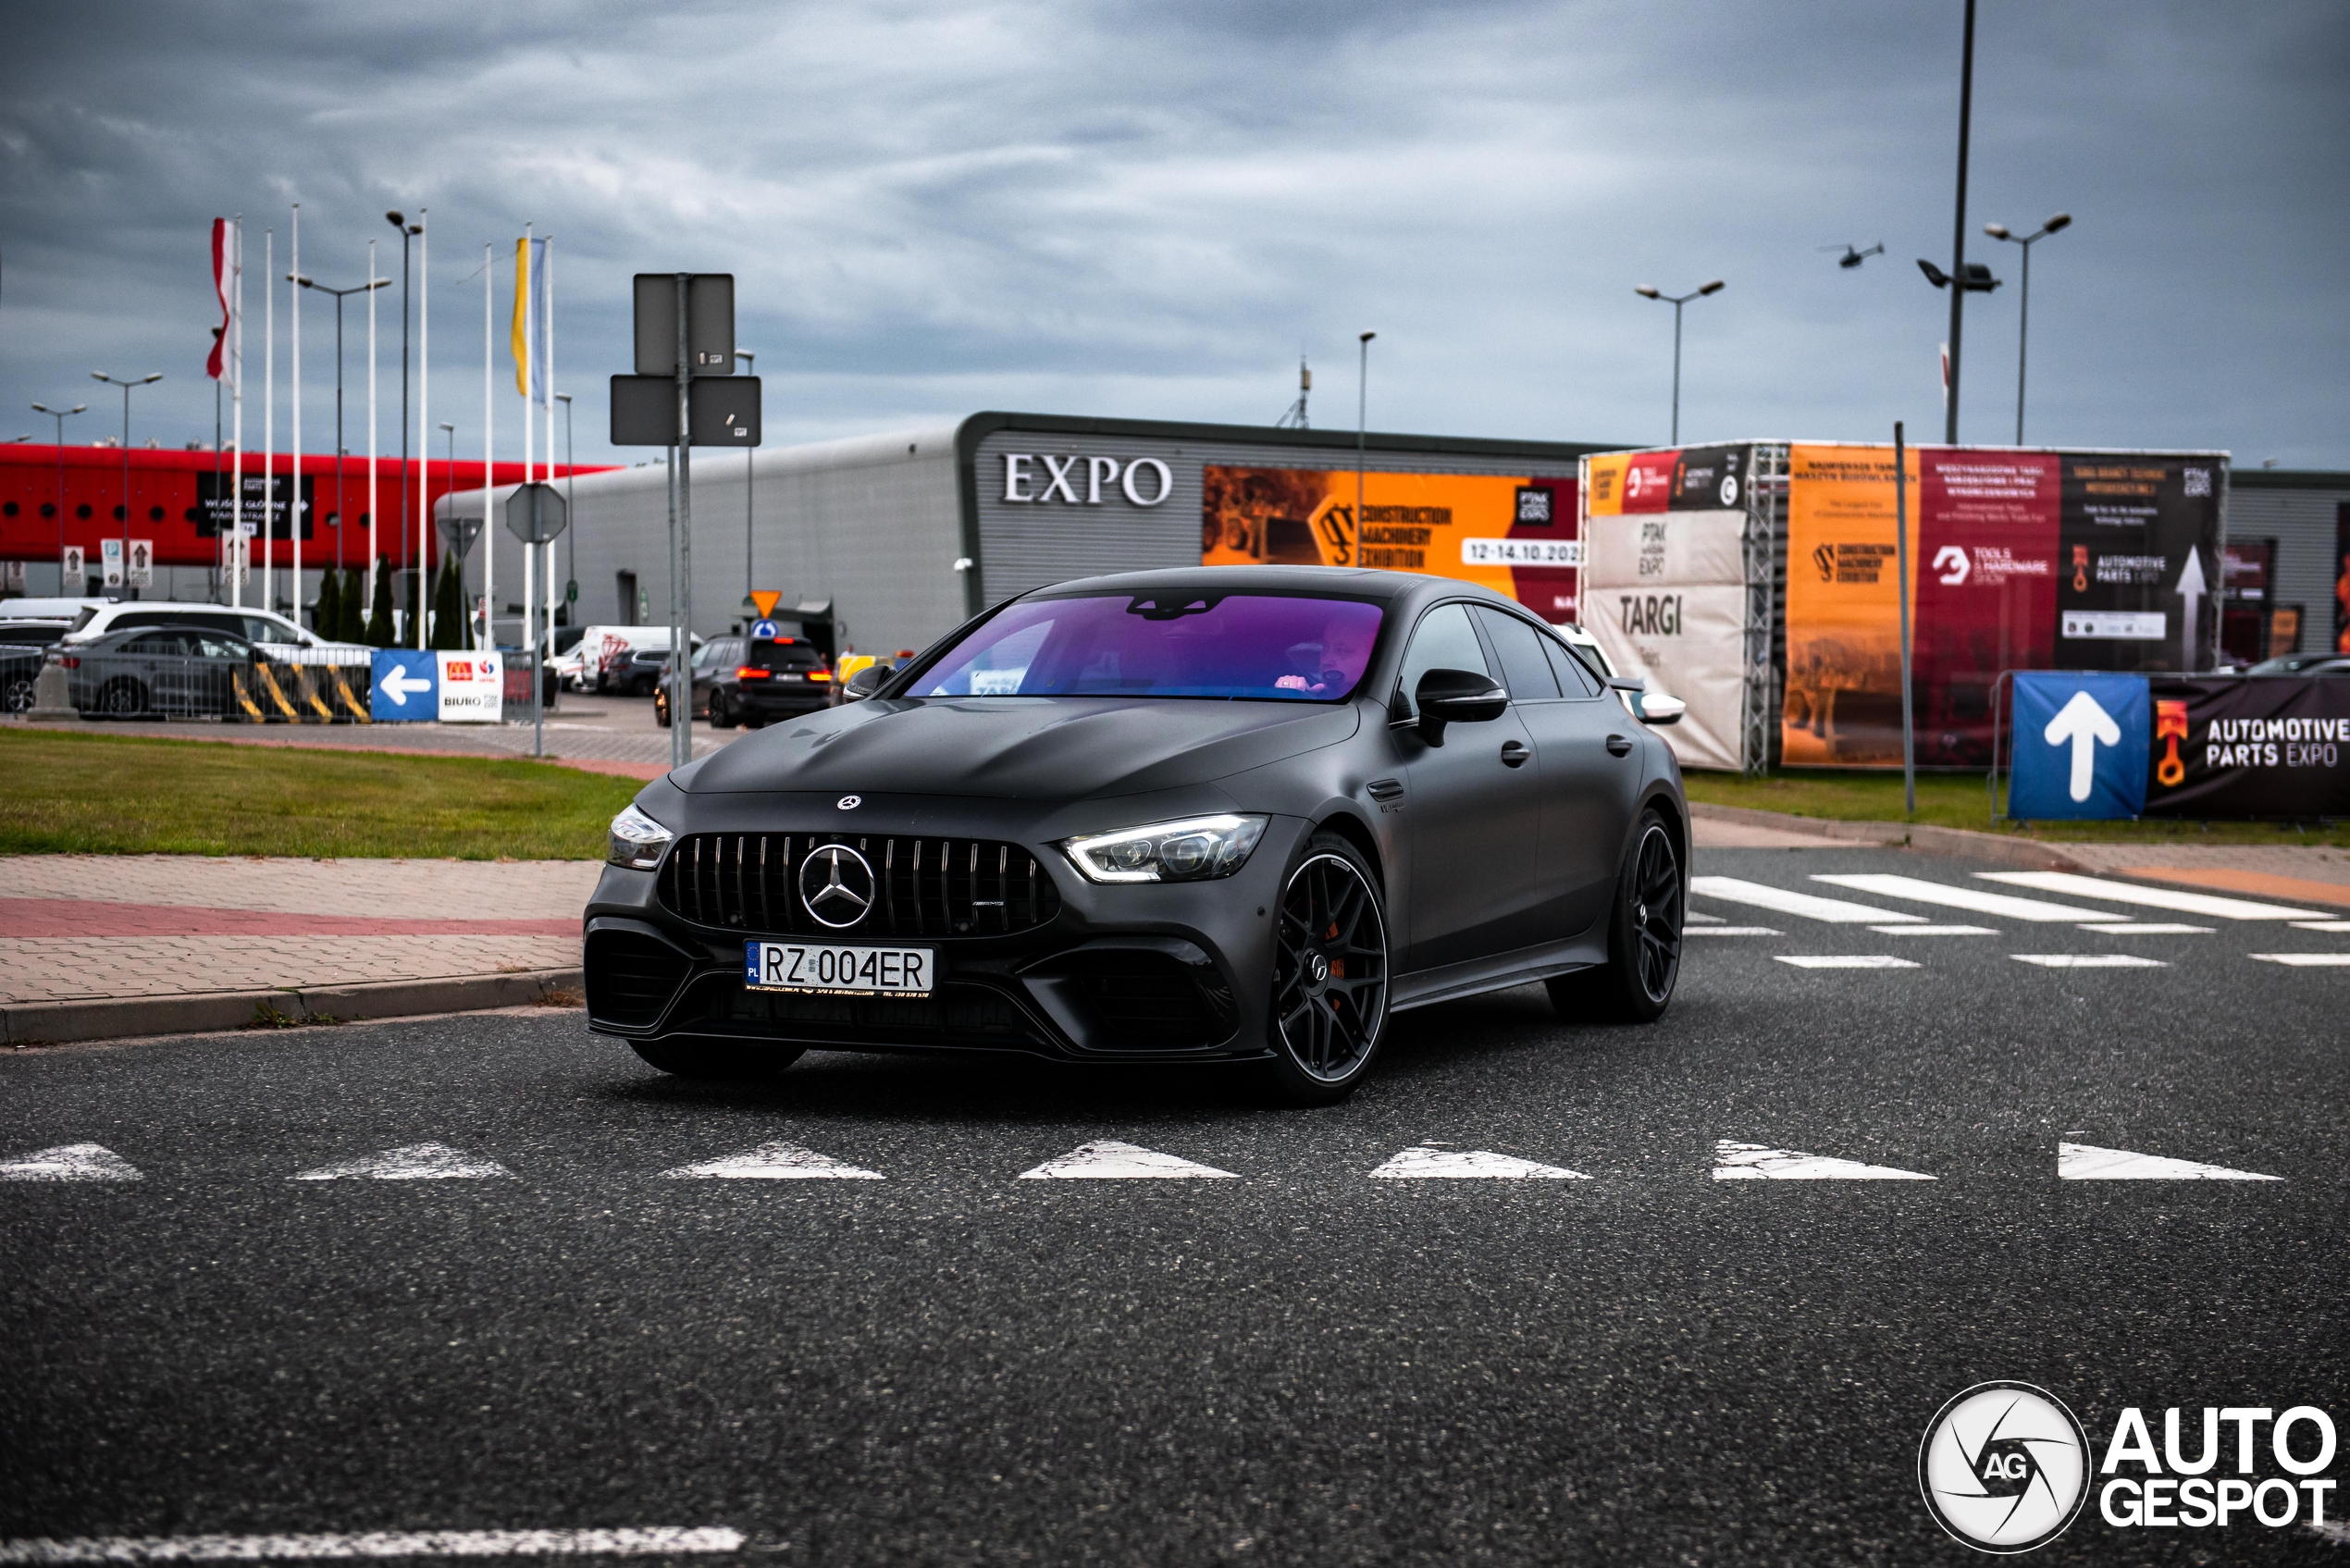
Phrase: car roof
(1395, 587)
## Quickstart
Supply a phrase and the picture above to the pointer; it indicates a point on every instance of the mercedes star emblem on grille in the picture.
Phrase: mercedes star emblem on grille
(836, 885)
(850, 802)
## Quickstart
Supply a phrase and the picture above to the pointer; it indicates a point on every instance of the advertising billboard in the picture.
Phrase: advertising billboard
(1665, 585)
(2019, 561)
(1515, 534)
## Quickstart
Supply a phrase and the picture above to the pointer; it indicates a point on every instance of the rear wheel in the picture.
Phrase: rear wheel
(722, 712)
(1644, 940)
(123, 697)
(1329, 974)
(725, 1060)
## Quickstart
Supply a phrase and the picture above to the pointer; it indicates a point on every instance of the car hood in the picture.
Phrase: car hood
(1022, 748)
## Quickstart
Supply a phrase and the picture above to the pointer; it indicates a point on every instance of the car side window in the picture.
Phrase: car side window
(211, 645)
(1527, 672)
(130, 617)
(153, 643)
(1444, 640)
(1575, 678)
(259, 630)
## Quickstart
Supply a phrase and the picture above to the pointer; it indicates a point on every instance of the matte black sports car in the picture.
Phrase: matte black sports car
(1235, 813)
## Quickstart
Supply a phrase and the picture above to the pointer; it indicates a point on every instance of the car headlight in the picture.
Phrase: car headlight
(1193, 850)
(637, 842)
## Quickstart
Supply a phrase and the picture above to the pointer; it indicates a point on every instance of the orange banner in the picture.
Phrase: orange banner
(1843, 616)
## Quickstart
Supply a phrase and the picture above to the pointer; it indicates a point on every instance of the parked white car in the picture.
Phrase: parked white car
(603, 649)
(265, 629)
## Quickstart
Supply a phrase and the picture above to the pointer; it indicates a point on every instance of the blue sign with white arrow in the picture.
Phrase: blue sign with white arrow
(2080, 745)
(406, 685)
(765, 628)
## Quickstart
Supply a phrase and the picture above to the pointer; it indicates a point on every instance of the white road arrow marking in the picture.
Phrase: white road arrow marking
(2192, 587)
(1979, 900)
(398, 684)
(2085, 724)
(69, 1162)
(1107, 1159)
(412, 1162)
(2086, 1162)
(1779, 900)
(2205, 904)
(1755, 1161)
(1434, 1162)
(777, 1162)
(659, 1541)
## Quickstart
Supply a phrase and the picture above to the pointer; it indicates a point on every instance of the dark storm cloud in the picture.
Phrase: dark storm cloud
(1149, 211)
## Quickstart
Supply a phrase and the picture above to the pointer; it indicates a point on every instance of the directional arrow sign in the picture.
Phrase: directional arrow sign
(406, 683)
(2084, 724)
(400, 685)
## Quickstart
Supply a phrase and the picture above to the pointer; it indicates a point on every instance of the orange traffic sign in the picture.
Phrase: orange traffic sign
(765, 601)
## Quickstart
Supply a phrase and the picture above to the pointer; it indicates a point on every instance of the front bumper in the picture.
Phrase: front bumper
(1122, 972)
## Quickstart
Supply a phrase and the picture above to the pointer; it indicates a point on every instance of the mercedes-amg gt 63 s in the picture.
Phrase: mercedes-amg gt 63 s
(1224, 814)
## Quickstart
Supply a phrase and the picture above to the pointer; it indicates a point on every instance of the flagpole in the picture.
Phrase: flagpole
(371, 429)
(269, 417)
(423, 415)
(489, 445)
(547, 560)
(293, 307)
(528, 281)
(240, 557)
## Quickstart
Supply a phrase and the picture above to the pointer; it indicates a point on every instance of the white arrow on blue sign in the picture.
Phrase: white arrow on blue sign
(406, 685)
(2080, 745)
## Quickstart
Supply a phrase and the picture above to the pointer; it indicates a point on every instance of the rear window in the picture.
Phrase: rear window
(785, 656)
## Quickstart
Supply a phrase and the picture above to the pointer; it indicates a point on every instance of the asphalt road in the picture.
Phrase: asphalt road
(1300, 1365)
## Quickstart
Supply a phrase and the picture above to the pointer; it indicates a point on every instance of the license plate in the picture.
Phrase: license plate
(819, 970)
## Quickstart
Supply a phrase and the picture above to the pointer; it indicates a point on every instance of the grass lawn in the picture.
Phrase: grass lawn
(1960, 800)
(110, 794)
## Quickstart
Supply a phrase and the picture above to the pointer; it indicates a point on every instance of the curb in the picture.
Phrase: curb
(1954, 843)
(219, 1011)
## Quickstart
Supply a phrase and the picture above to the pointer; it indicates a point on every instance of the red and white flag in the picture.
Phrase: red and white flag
(220, 290)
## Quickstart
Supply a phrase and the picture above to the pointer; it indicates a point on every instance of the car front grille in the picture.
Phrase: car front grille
(926, 887)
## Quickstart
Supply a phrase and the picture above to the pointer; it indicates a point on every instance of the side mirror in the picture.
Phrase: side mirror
(1659, 708)
(1456, 697)
(864, 682)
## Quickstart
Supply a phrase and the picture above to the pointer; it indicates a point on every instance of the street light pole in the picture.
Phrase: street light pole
(571, 545)
(126, 386)
(1362, 414)
(456, 524)
(340, 295)
(750, 478)
(2023, 314)
(61, 415)
(1649, 291)
(1958, 230)
(400, 221)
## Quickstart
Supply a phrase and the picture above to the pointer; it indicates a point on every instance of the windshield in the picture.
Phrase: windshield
(1282, 648)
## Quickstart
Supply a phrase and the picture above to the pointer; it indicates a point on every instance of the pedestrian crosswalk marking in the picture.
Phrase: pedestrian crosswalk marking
(657, 1541)
(1845, 961)
(2304, 961)
(1730, 931)
(1759, 1162)
(1936, 931)
(775, 1162)
(1783, 901)
(69, 1162)
(1109, 1159)
(2088, 960)
(2336, 926)
(1918, 890)
(1695, 918)
(2208, 904)
(411, 1162)
(2144, 928)
(1435, 1162)
(2086, 1162)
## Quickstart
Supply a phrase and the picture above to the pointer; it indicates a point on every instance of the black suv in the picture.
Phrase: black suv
(748, 682)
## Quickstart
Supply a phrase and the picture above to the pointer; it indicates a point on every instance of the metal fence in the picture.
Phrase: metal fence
(309, 686)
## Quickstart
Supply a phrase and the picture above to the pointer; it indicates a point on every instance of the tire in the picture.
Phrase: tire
(1329, 1016)
(1643, 937)
(721, 713)
(122, 698)
(720, 1060)
(18, 697)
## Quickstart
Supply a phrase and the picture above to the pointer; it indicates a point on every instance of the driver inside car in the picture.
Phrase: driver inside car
(1347, 650)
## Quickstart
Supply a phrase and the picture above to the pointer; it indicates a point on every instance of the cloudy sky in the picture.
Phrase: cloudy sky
(1151, 211)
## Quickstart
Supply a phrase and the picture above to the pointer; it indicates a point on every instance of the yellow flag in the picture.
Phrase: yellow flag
(522, 318)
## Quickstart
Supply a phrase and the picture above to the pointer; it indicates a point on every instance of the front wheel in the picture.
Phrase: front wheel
(1643, 938)
(1329, 974)
(722, 1060)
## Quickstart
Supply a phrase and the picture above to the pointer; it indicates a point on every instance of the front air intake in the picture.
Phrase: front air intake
(631, 978)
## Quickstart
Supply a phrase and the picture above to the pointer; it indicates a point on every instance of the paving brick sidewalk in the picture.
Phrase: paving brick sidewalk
(91, 946)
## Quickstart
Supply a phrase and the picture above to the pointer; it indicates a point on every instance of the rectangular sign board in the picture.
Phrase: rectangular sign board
(725, 411)
(472, 687)
(710, 324)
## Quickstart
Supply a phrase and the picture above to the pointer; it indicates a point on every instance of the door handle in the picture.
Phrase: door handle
(1619, 746)
(1385, 790)
(1515, 753)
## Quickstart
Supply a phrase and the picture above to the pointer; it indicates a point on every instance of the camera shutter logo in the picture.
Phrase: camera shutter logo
(835, 886)
(2004, 1467)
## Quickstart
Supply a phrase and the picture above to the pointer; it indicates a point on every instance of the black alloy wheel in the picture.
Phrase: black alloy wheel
(18, 698)
(722, 712)
(1329, 974)
(122, 698)
(1644, 937)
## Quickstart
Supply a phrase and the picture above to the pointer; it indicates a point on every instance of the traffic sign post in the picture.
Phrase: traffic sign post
(536, 514)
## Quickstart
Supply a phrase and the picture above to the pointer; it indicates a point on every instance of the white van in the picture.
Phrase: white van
(262, 628)
(602, 650)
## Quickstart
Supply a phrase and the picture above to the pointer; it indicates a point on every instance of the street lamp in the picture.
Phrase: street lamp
(749, 477)
(339, 294)
(407, 231)
(1362, 411)
(1649, 291)
(61, 415)
(126, 386)
(2023, 314)
(571, 544)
